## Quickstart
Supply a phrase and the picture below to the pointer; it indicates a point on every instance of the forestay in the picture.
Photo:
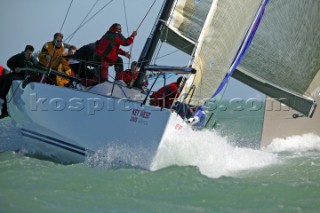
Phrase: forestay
(283, 60)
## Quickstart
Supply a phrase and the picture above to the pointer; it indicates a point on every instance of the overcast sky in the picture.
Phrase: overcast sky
(35, 21)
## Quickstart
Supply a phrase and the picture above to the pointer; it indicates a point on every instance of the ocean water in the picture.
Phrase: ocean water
(202, 172)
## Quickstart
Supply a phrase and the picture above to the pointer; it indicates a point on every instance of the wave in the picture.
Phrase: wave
(214, 155)
(295, 144)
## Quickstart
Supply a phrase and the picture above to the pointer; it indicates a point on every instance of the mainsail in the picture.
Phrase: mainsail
(283, 60)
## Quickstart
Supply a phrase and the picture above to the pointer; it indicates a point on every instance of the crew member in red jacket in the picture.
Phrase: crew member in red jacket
(108, 48)
(167, 94)
(129, 75)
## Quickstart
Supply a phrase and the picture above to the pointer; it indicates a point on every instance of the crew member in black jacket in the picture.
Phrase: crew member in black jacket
(17, 64)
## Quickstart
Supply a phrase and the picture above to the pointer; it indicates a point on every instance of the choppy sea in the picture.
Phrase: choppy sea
(202, 172)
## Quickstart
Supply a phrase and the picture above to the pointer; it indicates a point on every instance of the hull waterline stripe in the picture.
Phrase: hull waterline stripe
(54, 139)
(54, 142)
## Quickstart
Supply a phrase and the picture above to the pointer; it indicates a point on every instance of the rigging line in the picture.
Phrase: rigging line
(125, 16)
(72, 34)
(126, 19)
(173, 52)
(92, 16)
(146, 14)
(50, 63)
(155, 57)
(130, 55)
(141, 24)
(65, 18)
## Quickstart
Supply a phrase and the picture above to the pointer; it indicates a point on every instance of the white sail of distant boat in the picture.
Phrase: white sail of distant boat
(215, 33)
(283, 62)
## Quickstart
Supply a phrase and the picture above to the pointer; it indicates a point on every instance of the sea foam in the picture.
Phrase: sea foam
(211, 153)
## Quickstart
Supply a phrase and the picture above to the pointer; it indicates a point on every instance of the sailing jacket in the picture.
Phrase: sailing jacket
(127, 76)
(55, 53)
(85, 53)
(19, 61)
(109, 45)
(166, 93)
(57, 63)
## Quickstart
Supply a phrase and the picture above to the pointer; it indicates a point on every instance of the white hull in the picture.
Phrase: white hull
(279, 123)
(67, 125)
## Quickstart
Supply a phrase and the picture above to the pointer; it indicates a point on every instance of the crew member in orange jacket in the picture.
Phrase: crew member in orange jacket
(108, 48)
(51, 56)
(167, 94)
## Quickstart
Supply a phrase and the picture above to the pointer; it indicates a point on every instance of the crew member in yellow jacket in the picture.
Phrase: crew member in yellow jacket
(51, 56)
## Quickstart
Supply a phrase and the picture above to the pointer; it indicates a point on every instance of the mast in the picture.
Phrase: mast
(152, 41)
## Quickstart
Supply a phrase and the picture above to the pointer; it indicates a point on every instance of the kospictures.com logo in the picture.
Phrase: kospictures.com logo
(96, 104)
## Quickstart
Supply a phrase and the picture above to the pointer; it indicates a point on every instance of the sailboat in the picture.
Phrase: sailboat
(283, 62)
(67, 124)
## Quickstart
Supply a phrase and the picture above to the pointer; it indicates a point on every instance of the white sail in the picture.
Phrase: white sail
(188, 17)
(218, 27)
(185, 24)
(283, 60)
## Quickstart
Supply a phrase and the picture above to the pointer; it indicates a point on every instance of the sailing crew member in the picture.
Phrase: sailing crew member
(129, 75)
(16, 63)
(22, 60)
(198, 120)
(86, 66)
(165, 96)
(108, 48)
(72, 50)
(51, 58)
